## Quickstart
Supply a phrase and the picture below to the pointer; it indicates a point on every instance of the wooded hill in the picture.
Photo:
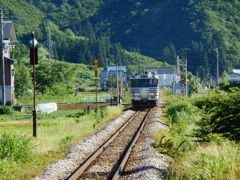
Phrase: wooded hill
(82, 30)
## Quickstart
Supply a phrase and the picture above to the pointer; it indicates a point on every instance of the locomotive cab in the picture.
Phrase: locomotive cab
(144, 90)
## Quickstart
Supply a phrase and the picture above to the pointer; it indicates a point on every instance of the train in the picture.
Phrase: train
(144, 90)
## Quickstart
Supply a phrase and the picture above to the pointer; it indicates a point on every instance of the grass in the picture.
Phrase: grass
(211, 161)
(55, 135)
(191, 157)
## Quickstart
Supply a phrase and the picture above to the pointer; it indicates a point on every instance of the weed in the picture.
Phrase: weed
(65, 140)
(14, 147)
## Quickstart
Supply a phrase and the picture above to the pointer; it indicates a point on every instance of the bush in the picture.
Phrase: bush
(221, 115)
(14, 147)
(5, 109)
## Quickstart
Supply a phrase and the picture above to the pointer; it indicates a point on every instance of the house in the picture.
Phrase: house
(234, 76)
(111, 71)
(167, 76)
(7, 68)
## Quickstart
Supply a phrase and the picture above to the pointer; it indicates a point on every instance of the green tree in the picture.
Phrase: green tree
(169, 54)
(23, 81)
(193, 83)
(224, 83)
(50, 73)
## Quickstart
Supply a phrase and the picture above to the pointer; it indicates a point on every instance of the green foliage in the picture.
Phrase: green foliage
(5, 109)
(169, 54)
(168, 143)
(196, 141)
(14, 147)
(193, 83)
(176, 105)
(182, 115)
(59, 89)
(54, 72)
(66, 140)
(221, 114)
(23, 81)
(83, 30)
(214, 161)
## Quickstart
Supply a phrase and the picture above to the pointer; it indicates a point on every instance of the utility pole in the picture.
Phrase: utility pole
(174, 80)
(178, 65)
(217, 67)
(117, 86)
(111, 81)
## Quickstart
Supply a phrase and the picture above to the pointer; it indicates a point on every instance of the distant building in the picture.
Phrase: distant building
(167, 76)
(234, 76)
(111, 70)
(9, 37)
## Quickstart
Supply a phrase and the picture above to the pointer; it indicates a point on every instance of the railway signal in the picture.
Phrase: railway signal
(34, 61)
(95, 65)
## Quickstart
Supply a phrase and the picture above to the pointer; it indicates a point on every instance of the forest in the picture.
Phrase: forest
(78, 31)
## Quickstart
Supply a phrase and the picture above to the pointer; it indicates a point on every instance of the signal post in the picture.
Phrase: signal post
(34, 61)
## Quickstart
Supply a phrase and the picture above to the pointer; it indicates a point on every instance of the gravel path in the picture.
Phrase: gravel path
(151, 166)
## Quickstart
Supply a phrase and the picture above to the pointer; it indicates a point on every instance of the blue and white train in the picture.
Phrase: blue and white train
(144, 90)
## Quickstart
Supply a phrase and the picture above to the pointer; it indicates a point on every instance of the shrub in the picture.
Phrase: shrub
(5, 109)
(221, 114)
(14, 147)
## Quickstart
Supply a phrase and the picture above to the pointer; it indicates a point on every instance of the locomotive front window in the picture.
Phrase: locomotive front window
(145, 82)
(153, 81)
(134, 82)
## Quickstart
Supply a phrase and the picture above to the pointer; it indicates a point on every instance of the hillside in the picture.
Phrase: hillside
(85, 29)
(194, 28)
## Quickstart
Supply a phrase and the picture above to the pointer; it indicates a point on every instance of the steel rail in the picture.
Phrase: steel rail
(128, 152)
(81, 168)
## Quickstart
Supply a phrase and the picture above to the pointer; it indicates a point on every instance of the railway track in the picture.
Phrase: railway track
(108, 161)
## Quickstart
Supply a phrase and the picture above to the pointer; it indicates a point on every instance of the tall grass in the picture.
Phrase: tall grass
(211, 161)
(14, 151)
(14, 147)
(191, 157)
(55, 134)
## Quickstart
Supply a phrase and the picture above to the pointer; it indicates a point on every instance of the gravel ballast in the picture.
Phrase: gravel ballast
(151, 166)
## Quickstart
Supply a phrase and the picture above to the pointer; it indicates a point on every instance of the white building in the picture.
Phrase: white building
(166, 76)
(234, 76)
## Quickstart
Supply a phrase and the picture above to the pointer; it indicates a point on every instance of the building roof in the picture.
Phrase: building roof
(161, 70)
(114, 68)
(8, 59)
(236, 71)
(9, 31)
